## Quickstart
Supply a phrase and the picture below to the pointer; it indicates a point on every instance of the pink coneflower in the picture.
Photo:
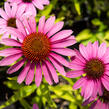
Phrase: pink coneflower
(92, 63)
(101, 102)
(9, 17)
(31, 4)
(39, 49)
(35, 106)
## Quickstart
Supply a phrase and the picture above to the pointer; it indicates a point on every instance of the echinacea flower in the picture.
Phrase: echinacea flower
(9, 17)
(40, 49)
(31, 4)
(100, 102)
(92, 64)
(35, 106)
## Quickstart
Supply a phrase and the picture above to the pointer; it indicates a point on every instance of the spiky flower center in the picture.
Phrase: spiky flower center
(12, 22)
(94, 68)
(27, 1)
(105, 97)
(36, 46)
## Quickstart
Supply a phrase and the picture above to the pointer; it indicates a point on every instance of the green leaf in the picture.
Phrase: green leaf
(21, 93)
(77, 7)
(84, 35)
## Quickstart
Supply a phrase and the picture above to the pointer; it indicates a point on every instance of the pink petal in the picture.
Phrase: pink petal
(58, 66)
(100, 87)
(80, 57)
(32, 23)
(61, 35)
(11, 42)
(38, 75)
(95, 49)
(30, 75)
(23, 73)
(15, 32)
(65, 43)
(35, 106)
(7, 9)
(64, 51)
(79, 83)
(101, 50)
(89, 50)
(41, 24)
(83, 51)
(14, 9)
(27, 26)
(89, 89)
(45, 2)
(46, 74)
(21, 27)
(58, 26)
(16, 1)
(10, 59)
(60, 59)
(5, 35)
(76, 66)
(105, 81)
(38, 4)
(74, 74)
(30, 8)
(3, 14)
(16, 66)
(49, 24)
(52, 71)
(10, 51)
(20, 10)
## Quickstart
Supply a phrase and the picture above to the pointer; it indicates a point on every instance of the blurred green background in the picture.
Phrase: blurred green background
(89, 19)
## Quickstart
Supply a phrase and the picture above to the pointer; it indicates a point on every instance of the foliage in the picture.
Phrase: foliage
(90, 21)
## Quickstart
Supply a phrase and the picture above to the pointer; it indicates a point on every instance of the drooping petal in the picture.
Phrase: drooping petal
(79, 83)
(30, 8)
(64, 51)
(32, 24)
(41, 24)
(15, 32)
(38, 4)
(47, 74)
(10, 51)
(105, 81)
(58, 26)
(11, 42)
(65, 43)
(52, 71)
(7, 9)
(23, 73)
(83, 51)
(58, 66)
(49, 24)
(38, 75)
(101, 50)
(20, 10)
(16, 66)
(10, 59)
(89, 89)
(61, 35)
(30, 75)
(60, 59)
(21, 27)
(3, 14)
(74, 74)
(14, 9)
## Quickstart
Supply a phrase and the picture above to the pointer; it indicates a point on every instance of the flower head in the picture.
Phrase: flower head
(40, 50)
(9, 17)
(91, 63)
(31, 4)
(100, 102)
